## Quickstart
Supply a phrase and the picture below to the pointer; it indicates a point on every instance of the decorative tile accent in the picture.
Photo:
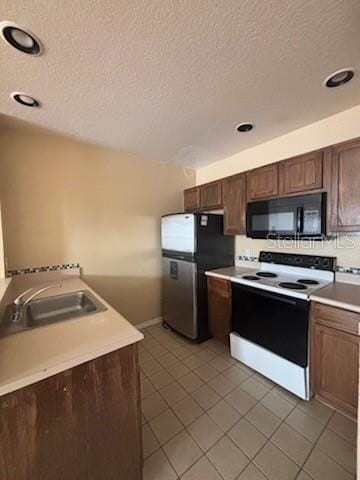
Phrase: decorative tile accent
(352, 270)
(245, 258)
(47, 268)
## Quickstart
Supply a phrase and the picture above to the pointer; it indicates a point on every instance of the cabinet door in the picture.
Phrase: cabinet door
(234, 198)
(345, 192)
(211, 195)
(191, 199)
(83, 423)
(219, 308)
(263, 182)
(301, 174)
(335, 357)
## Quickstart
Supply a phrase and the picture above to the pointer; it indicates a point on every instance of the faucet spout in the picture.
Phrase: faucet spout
(20, 304)
(38, 292)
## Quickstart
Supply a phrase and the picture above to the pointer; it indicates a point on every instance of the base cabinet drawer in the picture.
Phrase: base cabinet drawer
(334, 364)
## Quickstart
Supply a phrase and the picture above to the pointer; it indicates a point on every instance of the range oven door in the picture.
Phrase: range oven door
(273, 321)
(293, 217)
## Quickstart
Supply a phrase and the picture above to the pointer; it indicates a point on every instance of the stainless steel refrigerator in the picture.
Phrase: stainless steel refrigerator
(191, 244)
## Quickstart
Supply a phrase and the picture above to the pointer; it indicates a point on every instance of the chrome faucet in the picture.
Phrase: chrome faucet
(20, 304)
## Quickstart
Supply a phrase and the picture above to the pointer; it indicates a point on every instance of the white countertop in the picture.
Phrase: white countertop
(340, 295)
(30, 356)
(228, 273)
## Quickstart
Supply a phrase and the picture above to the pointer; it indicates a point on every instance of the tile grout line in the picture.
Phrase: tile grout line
(242, 416)
(269, 438)
(322, 451)
(258, 401)
(314, 445)
(204, 454)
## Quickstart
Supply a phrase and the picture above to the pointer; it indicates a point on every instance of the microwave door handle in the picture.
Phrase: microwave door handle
(299, 219)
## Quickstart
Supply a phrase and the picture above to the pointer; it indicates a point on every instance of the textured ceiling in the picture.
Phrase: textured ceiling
(170, 79)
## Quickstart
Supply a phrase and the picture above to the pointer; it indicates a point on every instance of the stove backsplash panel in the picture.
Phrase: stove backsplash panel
(346, 248)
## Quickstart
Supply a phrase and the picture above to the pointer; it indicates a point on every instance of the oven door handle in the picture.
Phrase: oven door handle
(278, 299)
(266, 294)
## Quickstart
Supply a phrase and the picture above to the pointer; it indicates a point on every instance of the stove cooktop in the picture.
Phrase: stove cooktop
(286, 280)
(290, 274)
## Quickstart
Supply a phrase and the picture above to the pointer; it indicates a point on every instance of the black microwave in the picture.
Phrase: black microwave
(291, 217)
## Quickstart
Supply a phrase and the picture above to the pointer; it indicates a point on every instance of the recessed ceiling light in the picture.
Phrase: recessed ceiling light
(25, 99)
(20, 38)
(340, 77)
(244, 127)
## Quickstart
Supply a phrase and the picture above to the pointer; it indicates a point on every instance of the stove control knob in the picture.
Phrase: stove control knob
(297, 260)
(317, 262)
(268, 257)
(325, 263)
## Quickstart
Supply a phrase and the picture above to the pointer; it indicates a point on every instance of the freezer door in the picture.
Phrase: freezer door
(179, 296)
(178, 232)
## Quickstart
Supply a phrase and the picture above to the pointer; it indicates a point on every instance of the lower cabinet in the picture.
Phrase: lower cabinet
(334, 365)
(219, 308)
(81, 424)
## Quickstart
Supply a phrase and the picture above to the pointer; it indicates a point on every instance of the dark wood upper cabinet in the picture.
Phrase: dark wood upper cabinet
(211, 195)
(301, 174)
(344, 198)
(334, 170)
(234, 199)
(335, 357)
(192, 199)
(263, 182)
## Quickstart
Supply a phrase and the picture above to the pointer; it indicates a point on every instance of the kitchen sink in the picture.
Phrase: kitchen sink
(50, 310)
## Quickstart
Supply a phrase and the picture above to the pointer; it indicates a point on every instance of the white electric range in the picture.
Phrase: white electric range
(270, 316)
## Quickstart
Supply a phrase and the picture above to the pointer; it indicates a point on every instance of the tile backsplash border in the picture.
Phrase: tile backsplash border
(339, 268)
(46, 268)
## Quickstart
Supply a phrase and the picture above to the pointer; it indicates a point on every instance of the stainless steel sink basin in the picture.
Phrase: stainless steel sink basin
(49, 310)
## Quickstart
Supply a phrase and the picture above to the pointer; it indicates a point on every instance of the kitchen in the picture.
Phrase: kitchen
(124, 353)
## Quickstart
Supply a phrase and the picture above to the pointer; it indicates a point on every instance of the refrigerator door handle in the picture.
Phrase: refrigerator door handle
(174, 270)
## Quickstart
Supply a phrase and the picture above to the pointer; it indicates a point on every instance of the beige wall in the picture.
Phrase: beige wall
(334, 129)
(331, 130)
(2, 266)
(65, 201)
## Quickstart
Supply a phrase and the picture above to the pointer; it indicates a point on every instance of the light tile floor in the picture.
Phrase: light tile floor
(208, 417)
